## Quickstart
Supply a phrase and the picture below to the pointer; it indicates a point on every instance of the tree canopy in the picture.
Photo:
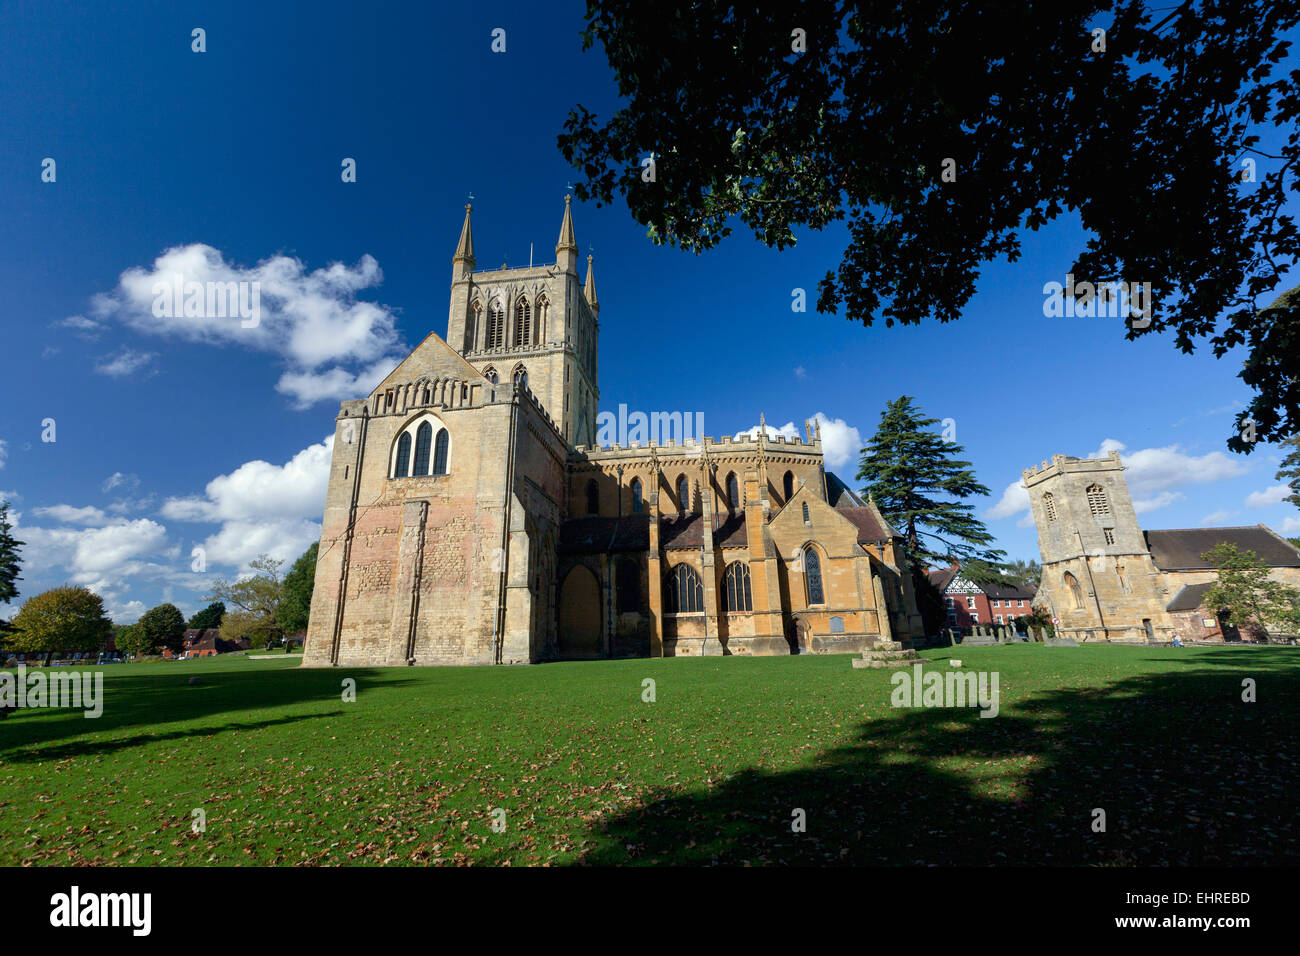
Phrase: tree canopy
(209, 617)
(295, 601)
(939, 133)
(1246, 590)
(254, 600)
(61, 619)
(163, 626)
(10, 564)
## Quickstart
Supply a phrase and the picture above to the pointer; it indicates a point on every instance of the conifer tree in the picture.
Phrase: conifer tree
(921, 486)
(9, 562)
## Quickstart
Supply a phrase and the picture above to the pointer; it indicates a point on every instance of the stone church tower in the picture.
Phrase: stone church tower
(536, 325)
(1098, 575)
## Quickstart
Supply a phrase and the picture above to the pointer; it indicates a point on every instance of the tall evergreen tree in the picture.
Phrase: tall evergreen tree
(1289, 470)
(9, 562)
(921, 485)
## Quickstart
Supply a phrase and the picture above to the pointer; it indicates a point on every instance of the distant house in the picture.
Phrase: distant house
(205, 643)
(969, 604)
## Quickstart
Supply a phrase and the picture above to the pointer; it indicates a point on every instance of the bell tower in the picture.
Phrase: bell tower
(534, 325)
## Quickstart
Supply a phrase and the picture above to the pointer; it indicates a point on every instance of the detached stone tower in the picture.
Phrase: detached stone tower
(1098, 576)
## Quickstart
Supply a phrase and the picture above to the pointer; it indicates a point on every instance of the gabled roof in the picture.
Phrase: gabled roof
(432, 358)
(1181, 548)
(837, 491)
(871, 527)
(1009, 592)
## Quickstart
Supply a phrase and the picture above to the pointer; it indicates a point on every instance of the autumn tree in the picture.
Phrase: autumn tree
(252, 602)
(938, 134)
(62, 619)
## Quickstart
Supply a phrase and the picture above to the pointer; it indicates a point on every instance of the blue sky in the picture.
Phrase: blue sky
(171, 437)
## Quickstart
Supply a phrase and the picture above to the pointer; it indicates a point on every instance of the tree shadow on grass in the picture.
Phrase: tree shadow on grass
(1185, 771)
(162, 698)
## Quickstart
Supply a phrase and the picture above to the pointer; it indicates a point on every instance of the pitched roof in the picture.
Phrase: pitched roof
(1189, 598)
(1003, 592)
(1181, 548)
(941, 577)
(837, 491)
(594, 534)
(871, 527)
(684, 532)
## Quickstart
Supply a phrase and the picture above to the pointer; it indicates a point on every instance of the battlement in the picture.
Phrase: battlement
(740, 443)
(1068, 463)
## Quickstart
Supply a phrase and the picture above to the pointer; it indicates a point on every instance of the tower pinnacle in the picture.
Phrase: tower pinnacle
(463, 261)
(589, 289)
(566, 250)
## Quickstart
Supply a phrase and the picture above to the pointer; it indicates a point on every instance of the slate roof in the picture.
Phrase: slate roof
(1010, 592)
(870, 527)
(941, 578)
(593, 534)
(837, 491)
(684, 532)
(1181, 548)
(1189, 598)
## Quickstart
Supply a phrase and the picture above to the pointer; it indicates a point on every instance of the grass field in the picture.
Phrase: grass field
(711, 771)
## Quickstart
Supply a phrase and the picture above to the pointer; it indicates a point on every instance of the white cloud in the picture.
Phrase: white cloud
(1270, 496)
(1153, 476)
(841, 443)
(125, 363)
(67, 514)
(119, 480)
(1215, 518)
(331, 342)
(800, 372)
(262, 508)
(4, 452)
(1291, 525)
(124, 613)
(785, 431)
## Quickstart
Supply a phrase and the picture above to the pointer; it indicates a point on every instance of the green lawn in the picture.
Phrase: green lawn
(286, 772)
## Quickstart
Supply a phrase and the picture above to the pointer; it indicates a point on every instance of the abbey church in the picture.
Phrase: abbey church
(471, 517)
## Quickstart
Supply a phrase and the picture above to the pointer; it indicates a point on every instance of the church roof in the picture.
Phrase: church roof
(684, 532)
(871, 527)
(837, 491)
(594, 534)
(1180, 549)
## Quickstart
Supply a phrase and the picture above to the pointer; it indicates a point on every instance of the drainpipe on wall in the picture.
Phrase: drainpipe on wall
(498, 628)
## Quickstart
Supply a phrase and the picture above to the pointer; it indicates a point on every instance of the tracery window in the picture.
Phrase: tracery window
(812, 571)
(736, 592)
(685, 594)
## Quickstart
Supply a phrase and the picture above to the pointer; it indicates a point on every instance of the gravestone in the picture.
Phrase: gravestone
(980, 638)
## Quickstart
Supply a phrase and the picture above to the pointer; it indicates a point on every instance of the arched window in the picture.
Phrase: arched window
(1049, 506)
(733, 492)
(1076, 592)
(491, 375)
(543, 313)
(1097, 502)
(496, 329)
(735, 593)
(807, 519)
(593, 497)
(473, 330)
(629, 585)
(637, 503)
(812, 574)
(440, 452)
(521, 377)
(683, 494)
(523, 322)
(403, 466)
(423, 442)
(788, 486)
(685, 595)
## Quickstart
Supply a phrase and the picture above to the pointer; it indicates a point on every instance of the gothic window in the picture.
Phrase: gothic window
(491, 375)
(403, 466)
(736, 593)
(789, 485)
(475, 324)
(806, 518)
(521, 377)
(593, 497)
(683, 494)
(629, 585)
(1049, 506)
(685, 594)
(523, 322)
(423, 441)
(1097, 502)
(1076, 592)
(543, 312)
(637, 503)
(496, 329)
(812, 571)
(440, 452)
(733, 492)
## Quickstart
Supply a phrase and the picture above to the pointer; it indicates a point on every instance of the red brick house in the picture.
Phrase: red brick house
(969, 604)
